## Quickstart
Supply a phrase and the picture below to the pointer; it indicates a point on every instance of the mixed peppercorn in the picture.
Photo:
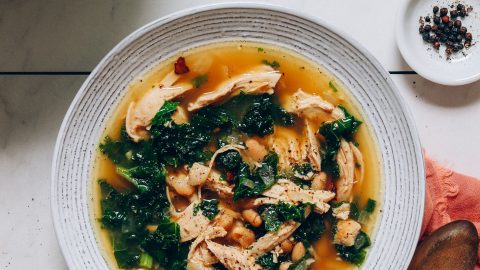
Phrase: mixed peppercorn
(440, 28)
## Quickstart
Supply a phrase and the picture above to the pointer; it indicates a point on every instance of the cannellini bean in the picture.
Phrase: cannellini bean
(255, 149)
(243, 236)
(286, 246)
(198, 174)
(298, 252)
(285, 265)
(319, 182)
(252, 217)
(225, 221)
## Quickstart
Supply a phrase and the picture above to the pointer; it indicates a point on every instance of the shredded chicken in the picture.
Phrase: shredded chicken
(259, 80)
(141, 113)
(313, 148)
(233, 257)
(347, 232)
(191, 225)
(211, 232)
(342, 211)
(271, 239)
(346, 164)
(286, 190)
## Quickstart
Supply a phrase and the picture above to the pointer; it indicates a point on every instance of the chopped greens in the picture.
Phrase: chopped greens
(274, 64)
(275, 215)
(311, 230)
(267, 261)
(260, 49)
(209, 208)
(184, 144)
(356, 253)
(333, 132)
(332, 86)
(199, 81)
(261, 116)
(253, 184)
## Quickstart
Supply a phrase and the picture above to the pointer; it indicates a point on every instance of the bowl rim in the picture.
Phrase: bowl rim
(418, 66)
(217, 6)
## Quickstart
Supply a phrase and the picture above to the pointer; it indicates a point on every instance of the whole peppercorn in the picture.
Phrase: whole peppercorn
(452, 38)
(441, 26)
(460, 7)
(443, 38)
(436, 45)
(468, 44)
(426, 36)
(445, 19)
(435, 28)
(436, 20)
(461, 14)
(435, 9)
(455, 30)
(463, 30)
(468, 36)
(433, 38)
(427, 19)
(453, 13)
(450, 24)
(459, 38)
(447, 30)
(449, 44)
(457, 47)
(421, 29)
(427, 28)
(457, 23)
(449, 51)
(443, 11)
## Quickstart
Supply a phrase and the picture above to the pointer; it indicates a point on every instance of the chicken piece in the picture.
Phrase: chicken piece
(347, 231)
(210, 232)
(346, 165)
(271, 239)
(309, 106)
(191, 225)
(359, 163)
(319, 181)
(289, 147)
(255, 149)
(202, 259)
(180, 116)
(257, 81)
(141, 113)
(233, 258)
(179, 182)
(286, 190)
(215, 184)
(342, 211)
(313, 148)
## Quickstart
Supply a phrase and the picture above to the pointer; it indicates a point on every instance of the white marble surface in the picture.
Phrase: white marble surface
(57, 35)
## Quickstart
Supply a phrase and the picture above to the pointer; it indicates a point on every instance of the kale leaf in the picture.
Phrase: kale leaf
(209, 208)
(163, 243)
(274, 64)
(229, 161)
(185, 143)
(250, 185)
(356, 253)
(310, 230)
(333, 132)
(261, 116)
(274, 215)
(267, 261)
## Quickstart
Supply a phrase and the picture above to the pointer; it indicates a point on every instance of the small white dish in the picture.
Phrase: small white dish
(431, 64)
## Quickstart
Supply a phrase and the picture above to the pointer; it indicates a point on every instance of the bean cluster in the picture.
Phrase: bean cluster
(447, 30)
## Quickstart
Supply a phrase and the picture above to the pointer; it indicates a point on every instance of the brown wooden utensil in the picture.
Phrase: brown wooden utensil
(453, 246)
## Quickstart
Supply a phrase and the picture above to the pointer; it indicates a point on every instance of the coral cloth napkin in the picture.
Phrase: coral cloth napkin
(449, 196)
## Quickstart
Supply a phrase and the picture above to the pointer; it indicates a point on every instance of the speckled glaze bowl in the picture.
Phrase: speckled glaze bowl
(370, 86)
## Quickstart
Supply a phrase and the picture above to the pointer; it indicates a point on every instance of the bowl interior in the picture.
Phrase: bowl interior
(368, 83)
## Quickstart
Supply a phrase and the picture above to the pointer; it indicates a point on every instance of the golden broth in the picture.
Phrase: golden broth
(228, 59)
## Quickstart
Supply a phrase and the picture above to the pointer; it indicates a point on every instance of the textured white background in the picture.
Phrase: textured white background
(72, 36)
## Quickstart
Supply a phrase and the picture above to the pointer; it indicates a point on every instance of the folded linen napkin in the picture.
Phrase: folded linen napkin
(449, 196)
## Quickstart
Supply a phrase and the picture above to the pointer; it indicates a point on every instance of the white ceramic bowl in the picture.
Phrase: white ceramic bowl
(369, 84)
(421, 56)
